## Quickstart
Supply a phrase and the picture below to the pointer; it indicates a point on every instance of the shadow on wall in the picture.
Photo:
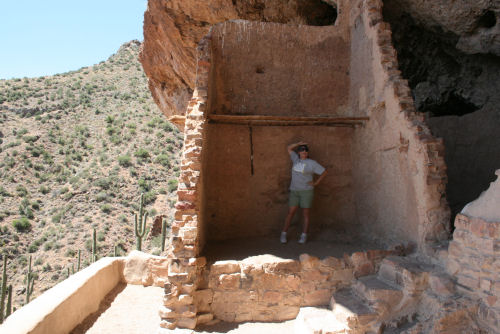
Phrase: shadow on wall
(309, 12)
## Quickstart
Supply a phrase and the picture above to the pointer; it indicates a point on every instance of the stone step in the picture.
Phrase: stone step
(352, 311)
(381, 295)
(316, 320)
(406, 272)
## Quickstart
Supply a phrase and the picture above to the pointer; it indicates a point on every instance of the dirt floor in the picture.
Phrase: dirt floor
(317, 245)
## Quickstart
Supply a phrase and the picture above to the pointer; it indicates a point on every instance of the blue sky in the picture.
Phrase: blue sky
(54, 36)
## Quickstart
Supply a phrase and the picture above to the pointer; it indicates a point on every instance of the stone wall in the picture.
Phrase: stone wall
(473, 260)
(398, 167)
(267, 288)
(474, 251)
(187, 234)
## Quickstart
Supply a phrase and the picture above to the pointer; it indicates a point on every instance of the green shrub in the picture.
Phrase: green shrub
(21, 191)
(172, 185)
(103, 183)
(151, 123)
(30, 139)
(57, 218)
(25, 210)
(44, 190)
(20, 133)
(22, 224)
(149, 197)
(110, 119)
(125, 160)
(36, 205)
(106, 208)
(115, 140)
(167, 127)
(4, 192)
(111, 130)
(142, 153)
(48, 245)
(70, 253)
(32, 248)
(101, 197)
(164, 160)
(144, 185)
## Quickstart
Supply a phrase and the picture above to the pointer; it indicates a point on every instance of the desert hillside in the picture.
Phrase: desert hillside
(76, 151)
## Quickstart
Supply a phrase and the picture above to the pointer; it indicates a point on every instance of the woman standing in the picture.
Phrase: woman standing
(301, 186)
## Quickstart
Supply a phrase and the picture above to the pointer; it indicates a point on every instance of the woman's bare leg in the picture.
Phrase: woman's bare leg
(305, 212)
(289, 217)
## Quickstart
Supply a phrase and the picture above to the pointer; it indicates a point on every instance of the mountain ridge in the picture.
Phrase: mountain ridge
(77, 149)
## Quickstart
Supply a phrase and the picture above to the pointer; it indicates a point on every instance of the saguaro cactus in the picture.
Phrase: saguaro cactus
(94, 246)
(3, 288)
(8, 310)
(79, 259)
(30, 281)
(140, 225)
(163, 234)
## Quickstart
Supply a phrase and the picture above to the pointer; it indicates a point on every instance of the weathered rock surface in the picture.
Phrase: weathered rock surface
(172, 29)
(145, 269)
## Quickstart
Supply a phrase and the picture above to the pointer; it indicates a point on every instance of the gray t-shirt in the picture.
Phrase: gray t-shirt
(302, 172)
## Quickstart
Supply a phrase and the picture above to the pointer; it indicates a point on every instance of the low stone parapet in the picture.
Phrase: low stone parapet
(63, 307)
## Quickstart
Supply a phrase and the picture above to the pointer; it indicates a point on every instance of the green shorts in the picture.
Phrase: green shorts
(301, 198)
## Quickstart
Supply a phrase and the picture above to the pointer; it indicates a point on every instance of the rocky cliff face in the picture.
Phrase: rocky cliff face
(448, 50)
(172, 29)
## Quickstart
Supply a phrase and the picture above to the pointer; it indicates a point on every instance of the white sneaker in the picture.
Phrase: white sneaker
(303, 238)
(283, 238)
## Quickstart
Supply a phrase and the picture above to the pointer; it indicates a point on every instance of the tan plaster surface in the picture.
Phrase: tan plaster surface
(132, 309)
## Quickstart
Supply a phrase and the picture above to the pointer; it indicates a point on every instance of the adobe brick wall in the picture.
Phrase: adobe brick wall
(473, 260)
(398, 166)
(267, 288)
